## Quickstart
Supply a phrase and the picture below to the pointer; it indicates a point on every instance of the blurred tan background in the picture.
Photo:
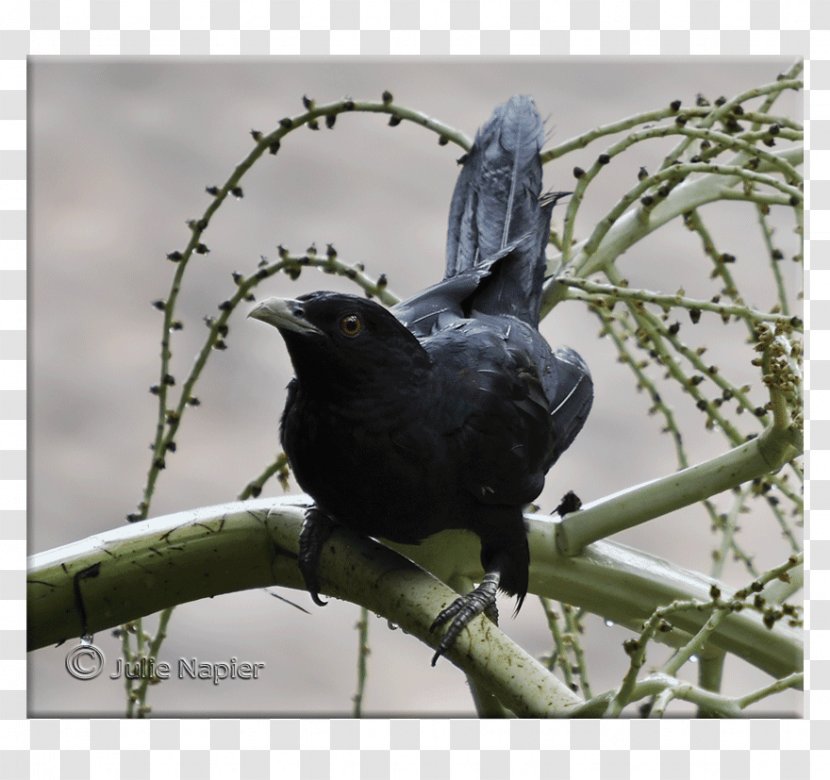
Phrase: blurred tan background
(120, 154)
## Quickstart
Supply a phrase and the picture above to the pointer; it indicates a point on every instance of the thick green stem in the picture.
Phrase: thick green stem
(636, 505)
(154, 564)
(710, 677)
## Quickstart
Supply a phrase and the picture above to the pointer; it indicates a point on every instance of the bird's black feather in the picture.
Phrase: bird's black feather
(496, 204)
(448, 410)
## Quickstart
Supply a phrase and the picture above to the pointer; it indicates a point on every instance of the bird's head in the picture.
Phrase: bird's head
(341, 339)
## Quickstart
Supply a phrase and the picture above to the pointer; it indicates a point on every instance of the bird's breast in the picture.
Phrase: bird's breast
(382, 473)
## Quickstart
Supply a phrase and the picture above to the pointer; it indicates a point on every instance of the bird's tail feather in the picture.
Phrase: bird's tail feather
(496, 204)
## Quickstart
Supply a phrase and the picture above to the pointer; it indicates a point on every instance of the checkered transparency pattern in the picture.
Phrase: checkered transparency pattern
(406, 748)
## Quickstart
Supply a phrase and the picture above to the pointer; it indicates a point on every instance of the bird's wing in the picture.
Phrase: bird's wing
(441, 304)
(556, 381)
(493, 409)
(570, 391)
(438, 305)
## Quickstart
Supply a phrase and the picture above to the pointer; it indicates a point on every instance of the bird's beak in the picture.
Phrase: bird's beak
(285, 314)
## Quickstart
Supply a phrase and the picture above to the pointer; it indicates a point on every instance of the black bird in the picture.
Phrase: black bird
(447, 410)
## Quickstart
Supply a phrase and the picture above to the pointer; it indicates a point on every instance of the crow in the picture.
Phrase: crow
(447, 410)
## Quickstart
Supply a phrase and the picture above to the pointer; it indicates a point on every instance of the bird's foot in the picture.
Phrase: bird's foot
(316, 529)
(464, 609)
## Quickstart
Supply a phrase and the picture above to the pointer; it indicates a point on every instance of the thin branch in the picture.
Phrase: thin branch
(598, 291)
(559, 654)
(772, 90)
(618, 231)
(363, 651)
(140, 691)
(620, 335)
(718, 610)
(674, 174)
(573, 639)
(783, 377)
(732, 109)
(794, 680)
(279, 467)
(727, 529)
(331, 264)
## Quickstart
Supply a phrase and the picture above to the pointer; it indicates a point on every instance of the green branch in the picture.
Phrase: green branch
(619, 334)
(363, 651)
(709, 115)
(718, 610)
(674, 174)
(154, 564)
(636, 505)
(148, 566)
(597, 292)
(723, 706)
(627, 223)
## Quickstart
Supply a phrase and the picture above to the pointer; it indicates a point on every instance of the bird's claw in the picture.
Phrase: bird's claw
(316, 529)
(315, 596)
(464, 609)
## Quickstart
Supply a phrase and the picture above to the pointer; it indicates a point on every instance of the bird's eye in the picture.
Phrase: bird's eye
(350, 325)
